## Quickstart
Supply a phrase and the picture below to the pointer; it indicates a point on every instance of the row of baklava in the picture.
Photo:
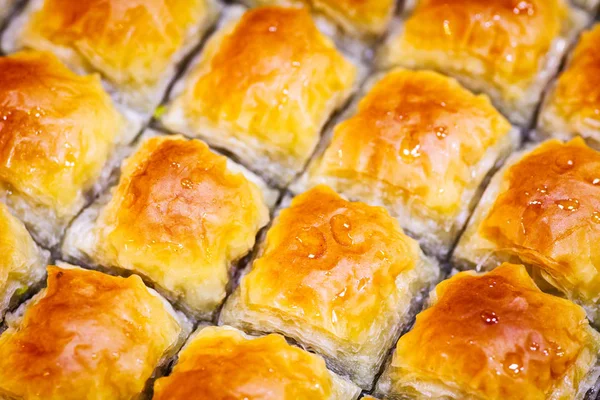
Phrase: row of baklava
(265, 84)
(89, 335)
(339, 278)
(507, 49)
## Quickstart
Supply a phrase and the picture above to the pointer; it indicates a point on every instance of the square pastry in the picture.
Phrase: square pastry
(224, 363)
(59, 139)
(366, 19)
(340, 278)
(262, 88)
(134, 44)
(494, 336)
(543, 209)
(22, 262)
(181, 216)
(419, 144)
(572, 106)
(508, 49)
(88, 336)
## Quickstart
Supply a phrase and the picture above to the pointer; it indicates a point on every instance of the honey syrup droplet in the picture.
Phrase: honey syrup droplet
(568, 204)
(513, 364)
(489, 317)
(340, 229)
(564, 163)
(187, 183)
(312, 242)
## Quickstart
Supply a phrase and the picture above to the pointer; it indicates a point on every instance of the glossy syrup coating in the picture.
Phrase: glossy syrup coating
(548, 214)
(89, 336)
(129, 41)
(357, 17)
(57, 130)
(181, 217)
(502, 42)
(332, 265)
(576, 98)
(496, 336)
(420, 137)
(223, 364)
(368, 16)
(269, 80)
(21, 262)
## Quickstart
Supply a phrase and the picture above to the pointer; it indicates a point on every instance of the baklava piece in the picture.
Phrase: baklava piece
(508, 49)
(22, 263)
(225, 364)
(494, 336)
(419, 144)
(363, 19)
(87, 335)
(263, 87)
(59, 133)
(134, 44)
(341, 278)
(181, 216)
(573, 105)
(543, 209)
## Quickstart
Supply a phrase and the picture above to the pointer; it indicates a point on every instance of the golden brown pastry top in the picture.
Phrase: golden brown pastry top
(57, 130)
(18, 253)
(17, 249)
(419, 134)
(179, 214)
(577, 94)
(369, 16)
(501, 40)
(130, 41)
(548, 213)
(87, 332)
(270, 77)
(495, 336)
(332, 264)
(222, 364)
(358, 17)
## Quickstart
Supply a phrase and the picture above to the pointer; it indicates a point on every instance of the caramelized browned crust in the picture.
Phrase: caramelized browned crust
(357, 17)
(576, 98)
(270, 80)
(496, 336)
(331, 264)
(87, 332)
(221, 364)
(181, 217)
(130, 41)
(22, 264)
(499, 41)
(548, 214)
(57, 130)
(365, 16)
(418, 135)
